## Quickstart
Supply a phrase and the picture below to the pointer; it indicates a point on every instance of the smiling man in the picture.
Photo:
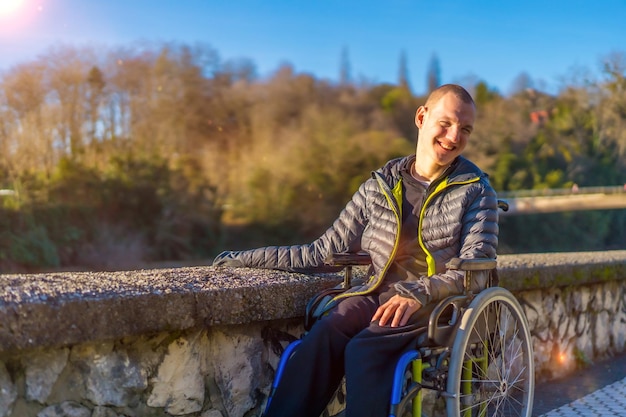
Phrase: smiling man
(412, 216)
(445, 126)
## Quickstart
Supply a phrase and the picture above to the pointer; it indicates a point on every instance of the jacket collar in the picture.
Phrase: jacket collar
(461, 170)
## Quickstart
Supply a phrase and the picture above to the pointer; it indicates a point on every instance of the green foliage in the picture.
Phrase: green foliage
(401, 105)
(395, 98)
(172, 208)
(27, 244)
(483, 94)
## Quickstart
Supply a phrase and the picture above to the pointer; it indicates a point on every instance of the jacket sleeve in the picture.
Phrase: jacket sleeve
(478, 239)
(343, 236)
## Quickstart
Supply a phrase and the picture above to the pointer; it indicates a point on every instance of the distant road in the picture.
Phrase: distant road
(570, 199)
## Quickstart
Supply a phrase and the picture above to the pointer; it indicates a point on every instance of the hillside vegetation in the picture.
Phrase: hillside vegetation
(122, 158)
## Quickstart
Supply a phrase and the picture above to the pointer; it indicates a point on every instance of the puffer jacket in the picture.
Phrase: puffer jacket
(459, 218)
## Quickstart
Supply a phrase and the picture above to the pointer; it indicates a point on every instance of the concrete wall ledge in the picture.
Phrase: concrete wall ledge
(549, 270)
(62, 309)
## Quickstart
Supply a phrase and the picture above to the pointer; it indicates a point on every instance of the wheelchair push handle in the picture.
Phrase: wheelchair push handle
(479, 264)
(348, 260)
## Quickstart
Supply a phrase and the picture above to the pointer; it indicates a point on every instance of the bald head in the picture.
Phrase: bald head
(458, 91)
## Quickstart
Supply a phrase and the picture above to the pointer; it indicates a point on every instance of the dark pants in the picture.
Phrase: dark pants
(345, 342)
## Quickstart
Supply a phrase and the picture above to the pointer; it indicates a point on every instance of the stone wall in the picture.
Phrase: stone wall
(204, 342)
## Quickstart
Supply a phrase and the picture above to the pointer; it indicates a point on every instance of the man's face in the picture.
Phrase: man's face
(444, 129)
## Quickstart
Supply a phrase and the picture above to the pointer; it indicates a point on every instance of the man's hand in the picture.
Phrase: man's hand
(398, 310)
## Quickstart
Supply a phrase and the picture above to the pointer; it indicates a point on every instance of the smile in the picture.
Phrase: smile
(447, 147)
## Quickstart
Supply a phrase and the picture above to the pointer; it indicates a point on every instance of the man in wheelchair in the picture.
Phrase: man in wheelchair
(412, 217)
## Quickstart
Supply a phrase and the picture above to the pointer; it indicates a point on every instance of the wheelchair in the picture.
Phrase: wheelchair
(476, 352)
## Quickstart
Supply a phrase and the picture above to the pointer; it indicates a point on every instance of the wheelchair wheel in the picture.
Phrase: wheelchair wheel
(491, 369)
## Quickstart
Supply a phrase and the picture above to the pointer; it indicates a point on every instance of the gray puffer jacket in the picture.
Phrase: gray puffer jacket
(459, 218)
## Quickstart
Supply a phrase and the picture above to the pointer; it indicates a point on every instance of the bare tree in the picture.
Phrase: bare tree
(612, 103)
(25, 141)
(95, 98)
(67, 70)
(522, 82)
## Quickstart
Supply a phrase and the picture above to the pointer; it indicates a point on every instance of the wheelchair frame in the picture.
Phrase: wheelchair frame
(480, 361)
(478, 357)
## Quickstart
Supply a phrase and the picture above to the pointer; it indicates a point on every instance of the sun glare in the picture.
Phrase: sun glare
(7, 7)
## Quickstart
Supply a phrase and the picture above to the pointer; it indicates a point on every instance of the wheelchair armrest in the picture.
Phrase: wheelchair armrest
(442, 333)
(348, 259)
(480, 264)
(317, 306)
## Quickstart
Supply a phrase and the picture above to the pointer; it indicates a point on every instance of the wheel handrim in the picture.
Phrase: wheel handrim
(495, 376)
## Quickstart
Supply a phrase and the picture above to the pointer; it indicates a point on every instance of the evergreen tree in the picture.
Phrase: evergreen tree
(433, 76)
(403, 73)
(345, 77)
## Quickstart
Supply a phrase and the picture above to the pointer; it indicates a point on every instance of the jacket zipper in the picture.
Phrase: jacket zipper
(430, 260)
(396, 207)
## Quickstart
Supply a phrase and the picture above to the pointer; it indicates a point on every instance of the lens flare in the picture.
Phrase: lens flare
(8, 7)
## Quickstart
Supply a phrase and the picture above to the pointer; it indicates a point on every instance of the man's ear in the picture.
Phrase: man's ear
(419, 116)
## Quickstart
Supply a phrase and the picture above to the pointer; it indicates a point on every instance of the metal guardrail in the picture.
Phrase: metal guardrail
(559, 200)
(547, 192)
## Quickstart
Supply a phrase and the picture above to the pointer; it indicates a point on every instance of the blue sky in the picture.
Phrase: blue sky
(494, 41)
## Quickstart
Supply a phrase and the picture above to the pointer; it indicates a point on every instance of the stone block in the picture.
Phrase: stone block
(179, 386)
(584, 348)
(612, 296)
(212, 413)
(601, 334)
(618, 327)
(532, 304)
(238, 368)
(65, 409)
(99, 411)
(596, 301)
(8, 392)
(542, 348)
(582, 325)
(109, 375)
(42, 370)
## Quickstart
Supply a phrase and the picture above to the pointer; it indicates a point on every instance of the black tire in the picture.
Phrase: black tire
(491, 366)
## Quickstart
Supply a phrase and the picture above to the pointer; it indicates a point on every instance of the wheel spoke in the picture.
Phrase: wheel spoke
(495, 373)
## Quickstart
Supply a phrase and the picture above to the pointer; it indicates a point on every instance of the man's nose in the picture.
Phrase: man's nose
(453, 134)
